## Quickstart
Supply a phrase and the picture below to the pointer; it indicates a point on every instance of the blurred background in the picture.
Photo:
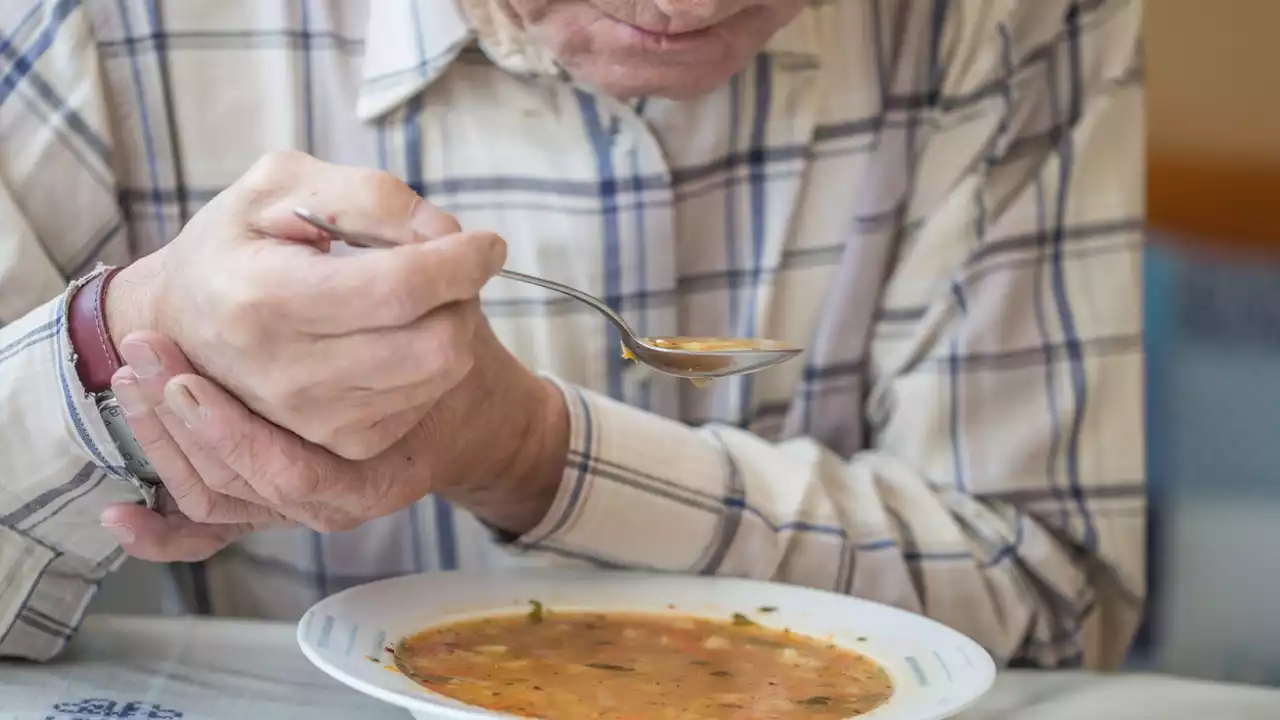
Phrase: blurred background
(1213, 305)
(1213, 319)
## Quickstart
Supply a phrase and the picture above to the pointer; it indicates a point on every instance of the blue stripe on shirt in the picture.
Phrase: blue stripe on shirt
(148, 136)
(607, 188)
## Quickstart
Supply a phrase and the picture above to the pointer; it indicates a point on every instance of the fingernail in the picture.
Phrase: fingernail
(129, 396)
(183, 403)
(141, 358)
(121, 533)
(431, 222)
(423, 219)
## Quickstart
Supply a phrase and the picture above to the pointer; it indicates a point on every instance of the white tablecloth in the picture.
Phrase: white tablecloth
(199, 669)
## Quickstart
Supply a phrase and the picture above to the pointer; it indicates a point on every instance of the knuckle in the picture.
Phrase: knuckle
(491, 253)
(380, 196)
(288, 396)
(289, 391)
(294, 487)
(431, 221)
(483, 254)
(471, 261)
(332, 437)
(383, 186)
(357, 449)
(273, 168)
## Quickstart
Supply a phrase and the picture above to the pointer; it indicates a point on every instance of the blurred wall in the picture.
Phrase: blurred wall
(1213, 336)
(1213, 100)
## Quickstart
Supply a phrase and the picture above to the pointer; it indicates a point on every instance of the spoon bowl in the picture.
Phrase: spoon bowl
(706, 358)
(687, 357)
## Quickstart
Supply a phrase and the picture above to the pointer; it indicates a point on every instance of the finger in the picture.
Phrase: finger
(424, 222)
(182, 480)
(401, 368)
(233, 499)
(362, 200)
(235, 495)
(335, 295)
(228, 482)
(148, 535)
(284, 469)
(194, 476)
(359, 444)
(154, 359)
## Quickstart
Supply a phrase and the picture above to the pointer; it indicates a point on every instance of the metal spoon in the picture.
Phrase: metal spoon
(685, 357)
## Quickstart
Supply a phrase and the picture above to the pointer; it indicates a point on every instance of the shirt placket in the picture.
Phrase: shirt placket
(638, 234)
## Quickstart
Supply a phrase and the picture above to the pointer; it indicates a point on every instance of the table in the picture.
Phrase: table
(206, 669)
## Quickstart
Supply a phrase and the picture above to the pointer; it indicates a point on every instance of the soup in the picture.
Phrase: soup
(701, 355)
(630, 666)
(708, 345)
(714, 344)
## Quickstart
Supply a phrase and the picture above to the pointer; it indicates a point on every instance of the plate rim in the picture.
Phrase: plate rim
(427, 703)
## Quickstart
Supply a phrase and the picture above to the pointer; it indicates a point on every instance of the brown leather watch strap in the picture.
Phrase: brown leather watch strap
(96, 356)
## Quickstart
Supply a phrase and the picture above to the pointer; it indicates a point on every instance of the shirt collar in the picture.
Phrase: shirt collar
(410, 43)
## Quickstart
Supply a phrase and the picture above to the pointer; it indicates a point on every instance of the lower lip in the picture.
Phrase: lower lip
(692, 46)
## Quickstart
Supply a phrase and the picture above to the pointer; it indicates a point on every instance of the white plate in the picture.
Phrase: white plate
(936, 671)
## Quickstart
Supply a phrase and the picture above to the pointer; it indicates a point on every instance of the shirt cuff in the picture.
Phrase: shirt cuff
(58, 464)
(628, 471)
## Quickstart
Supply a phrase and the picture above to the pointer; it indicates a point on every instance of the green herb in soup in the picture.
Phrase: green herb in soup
(625, 666)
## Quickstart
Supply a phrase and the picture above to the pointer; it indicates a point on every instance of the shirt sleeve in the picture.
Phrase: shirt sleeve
(1002, 492)
(58, 465)
(58, 469)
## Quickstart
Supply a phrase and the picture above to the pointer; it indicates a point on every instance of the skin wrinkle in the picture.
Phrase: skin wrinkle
(632, 48)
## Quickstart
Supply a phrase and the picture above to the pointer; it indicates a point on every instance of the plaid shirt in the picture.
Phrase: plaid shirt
(941, 201)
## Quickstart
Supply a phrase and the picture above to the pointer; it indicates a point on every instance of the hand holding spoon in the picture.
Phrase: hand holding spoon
(687, 357)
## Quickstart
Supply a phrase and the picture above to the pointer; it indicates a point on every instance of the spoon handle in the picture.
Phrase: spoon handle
(576, 294)
(368, 240)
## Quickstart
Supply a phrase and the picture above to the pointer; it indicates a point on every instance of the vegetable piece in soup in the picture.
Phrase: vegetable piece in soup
(624, 666)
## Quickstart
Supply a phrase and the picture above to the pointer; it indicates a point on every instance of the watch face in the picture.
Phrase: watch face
(135, 461)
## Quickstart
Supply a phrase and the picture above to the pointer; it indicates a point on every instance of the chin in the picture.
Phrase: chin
(627, 62)
(628, 83)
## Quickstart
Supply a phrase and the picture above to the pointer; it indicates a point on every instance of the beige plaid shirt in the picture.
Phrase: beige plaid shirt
(941, 201)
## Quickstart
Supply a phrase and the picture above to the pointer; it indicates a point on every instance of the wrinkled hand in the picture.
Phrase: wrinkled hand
(495, 444)
(348, 352)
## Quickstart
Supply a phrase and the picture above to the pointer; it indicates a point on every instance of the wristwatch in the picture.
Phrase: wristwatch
(96, 361)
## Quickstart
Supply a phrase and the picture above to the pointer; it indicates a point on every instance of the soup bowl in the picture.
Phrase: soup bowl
(936, 671)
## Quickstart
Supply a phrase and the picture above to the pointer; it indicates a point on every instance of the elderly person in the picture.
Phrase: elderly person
(940, 201)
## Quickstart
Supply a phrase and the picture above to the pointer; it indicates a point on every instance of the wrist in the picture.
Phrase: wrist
(96, 359)
(127, 301)
(539, 468)
(515, 489)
